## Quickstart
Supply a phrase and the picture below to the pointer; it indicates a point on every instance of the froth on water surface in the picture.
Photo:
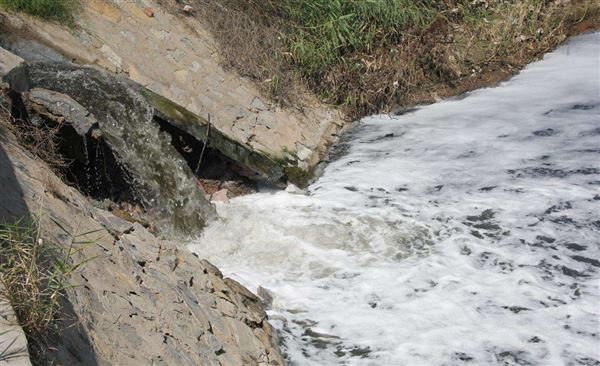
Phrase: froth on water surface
(466, 232)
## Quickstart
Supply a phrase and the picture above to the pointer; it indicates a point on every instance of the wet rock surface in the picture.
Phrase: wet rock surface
(58, 104)
(162, 179)
(255, 165)
(125, 142)
(147, 143)
(137, 300)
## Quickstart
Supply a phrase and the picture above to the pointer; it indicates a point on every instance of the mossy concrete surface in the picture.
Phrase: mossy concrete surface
(269, 169)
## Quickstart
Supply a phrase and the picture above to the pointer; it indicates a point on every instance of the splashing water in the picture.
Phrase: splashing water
(466, 232)
(160, 177)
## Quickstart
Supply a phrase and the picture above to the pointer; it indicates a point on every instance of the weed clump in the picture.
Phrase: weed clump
(35, 274)
(57, 10)
(39, 139)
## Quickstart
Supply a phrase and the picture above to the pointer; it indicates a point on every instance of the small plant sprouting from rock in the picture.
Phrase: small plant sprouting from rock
(40, 140)
(34, 273)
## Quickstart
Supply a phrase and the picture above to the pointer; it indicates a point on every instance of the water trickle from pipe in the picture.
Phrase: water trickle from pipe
(159, 176)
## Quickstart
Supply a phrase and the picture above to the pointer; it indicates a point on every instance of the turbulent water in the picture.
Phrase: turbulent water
(466, 232)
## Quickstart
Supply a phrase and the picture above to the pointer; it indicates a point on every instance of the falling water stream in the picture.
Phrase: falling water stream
(465, 232)
(162, 180)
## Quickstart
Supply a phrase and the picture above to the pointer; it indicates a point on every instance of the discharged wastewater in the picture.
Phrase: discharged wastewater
(465, 232)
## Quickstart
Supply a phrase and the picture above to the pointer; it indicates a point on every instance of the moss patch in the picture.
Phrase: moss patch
(298, 176)
(271, 169)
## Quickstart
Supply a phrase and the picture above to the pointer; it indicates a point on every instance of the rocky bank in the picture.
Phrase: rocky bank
(138, 96)
(138, 300)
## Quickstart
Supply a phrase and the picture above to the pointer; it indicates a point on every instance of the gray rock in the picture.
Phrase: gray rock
(13, 71)
(260, 165)
(257, 105)
(30, 49)
(63, 105)
(265, 296)
(162, 179)
(13, 344)
(138, 300)
(115, 225)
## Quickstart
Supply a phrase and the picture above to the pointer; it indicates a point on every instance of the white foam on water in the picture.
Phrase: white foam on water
(467, 232)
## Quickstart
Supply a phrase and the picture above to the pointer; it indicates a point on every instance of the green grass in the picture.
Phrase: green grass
(322, 31)
(56, 10)
(368, 56)
(35, 274)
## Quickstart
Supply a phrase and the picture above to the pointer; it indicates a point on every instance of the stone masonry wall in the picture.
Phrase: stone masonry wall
(177, 58)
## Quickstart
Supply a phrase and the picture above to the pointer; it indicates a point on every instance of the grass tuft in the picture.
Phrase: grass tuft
(34, 273)
(320, 32)
(42, 140)
(57, 10)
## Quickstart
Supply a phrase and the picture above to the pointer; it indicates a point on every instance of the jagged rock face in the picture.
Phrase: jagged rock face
(162, 179)
(137, 300)
(258, 165)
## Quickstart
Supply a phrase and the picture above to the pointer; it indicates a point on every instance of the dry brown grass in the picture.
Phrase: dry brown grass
(40, 140)
(24, 273)
(33, 269)
(250, 42)
(452, 56)
(35, 274)
(459, 45)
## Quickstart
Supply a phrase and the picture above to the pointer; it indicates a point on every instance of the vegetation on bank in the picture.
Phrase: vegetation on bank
(42, 141)
(34, 273)
(34, 270)
(57, 10)
(369, 55)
